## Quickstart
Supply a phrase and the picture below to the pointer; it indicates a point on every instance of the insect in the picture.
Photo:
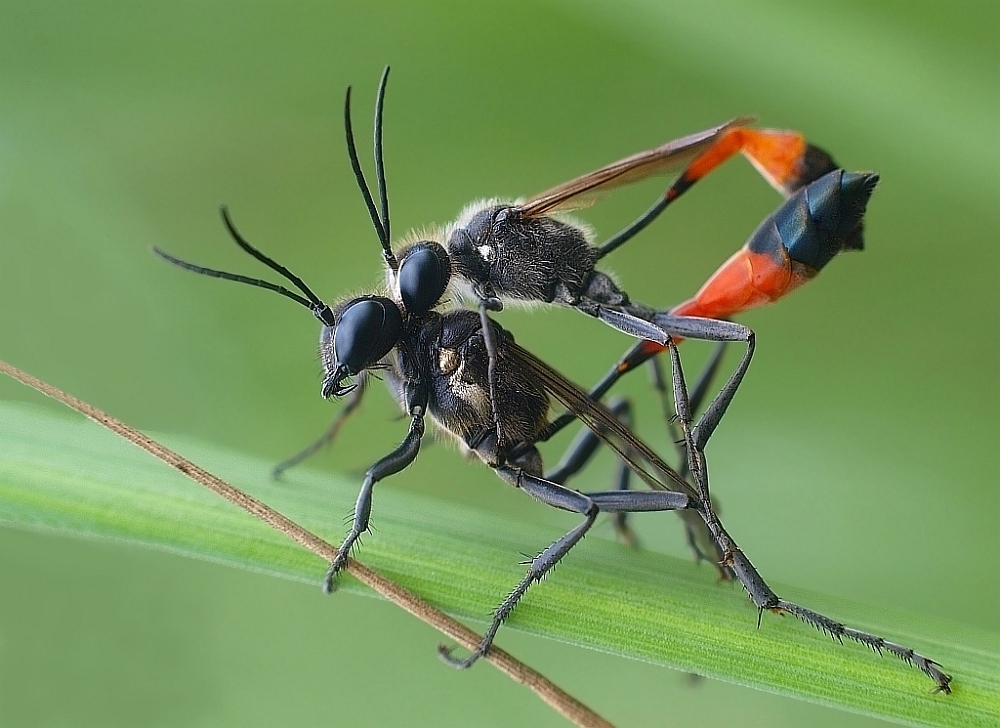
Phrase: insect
(437, 363)
(528, 251)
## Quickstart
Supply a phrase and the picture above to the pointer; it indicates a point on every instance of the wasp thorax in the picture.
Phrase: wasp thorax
(474, 246)
(423, 276)
(491, 227)
(367, 329)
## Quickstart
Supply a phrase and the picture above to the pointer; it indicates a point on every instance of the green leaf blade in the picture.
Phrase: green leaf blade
(69, 476)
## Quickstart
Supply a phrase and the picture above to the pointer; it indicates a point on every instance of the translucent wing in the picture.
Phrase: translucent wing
(582, 191)
(638, 455)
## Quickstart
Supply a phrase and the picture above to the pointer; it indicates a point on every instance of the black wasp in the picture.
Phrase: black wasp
(438, 363)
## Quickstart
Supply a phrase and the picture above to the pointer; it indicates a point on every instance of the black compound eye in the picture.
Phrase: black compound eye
(366, 331)
(423, 276)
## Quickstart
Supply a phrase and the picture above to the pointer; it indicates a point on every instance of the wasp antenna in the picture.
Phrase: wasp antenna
(379, 164)
(238, 278)
(320, 309)
(359, 175)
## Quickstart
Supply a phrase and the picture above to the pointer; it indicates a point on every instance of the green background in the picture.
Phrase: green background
(859, 458)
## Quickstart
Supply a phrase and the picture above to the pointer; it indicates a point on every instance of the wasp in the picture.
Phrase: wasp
(530, 251)
(437, 364)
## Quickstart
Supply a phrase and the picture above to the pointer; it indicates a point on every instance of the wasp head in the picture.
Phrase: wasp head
(423, 276)
(365, 330)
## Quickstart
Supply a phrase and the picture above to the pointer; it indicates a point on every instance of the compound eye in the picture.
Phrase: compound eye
(366, 331)
(423, 276)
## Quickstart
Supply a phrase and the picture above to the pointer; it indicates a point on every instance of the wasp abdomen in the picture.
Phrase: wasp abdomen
(790, 247)
(820, 220)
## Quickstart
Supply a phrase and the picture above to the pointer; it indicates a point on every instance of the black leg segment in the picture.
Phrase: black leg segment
(558, 496)
(351, 405)
(485, 306)
(764, 598)
(391, 464)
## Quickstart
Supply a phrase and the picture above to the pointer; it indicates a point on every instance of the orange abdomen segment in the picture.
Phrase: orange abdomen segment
(745, 281)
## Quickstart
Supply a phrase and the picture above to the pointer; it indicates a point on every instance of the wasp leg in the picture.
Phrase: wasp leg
(695, 438)
(764, 598)
(710, 330)
(578, 455)
(630, 324)
(785, 159)
(391, 464)
(351, 404)
(489, 339)
(601, 298)
(706, 377)
(681, 327)
(587, 504)
(692, 461)
(697, 397)
(699, 539)
(623, 479)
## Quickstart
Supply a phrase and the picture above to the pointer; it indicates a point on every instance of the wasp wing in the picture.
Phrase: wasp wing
(582, 191)
(634, 452)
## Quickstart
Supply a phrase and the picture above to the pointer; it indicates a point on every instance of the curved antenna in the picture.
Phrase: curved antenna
(311, 301)
(379, 164)
(320, 309)
(277, 267)
(232, 277)
(359, 175)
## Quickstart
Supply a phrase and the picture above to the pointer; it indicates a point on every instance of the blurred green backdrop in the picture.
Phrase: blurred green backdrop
(859, 458)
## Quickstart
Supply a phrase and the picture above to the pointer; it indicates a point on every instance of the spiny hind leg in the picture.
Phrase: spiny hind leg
(391, 464)
(587, 504)
(764, 598)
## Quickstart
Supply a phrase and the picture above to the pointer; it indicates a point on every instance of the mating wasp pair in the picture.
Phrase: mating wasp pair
(467, 373)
